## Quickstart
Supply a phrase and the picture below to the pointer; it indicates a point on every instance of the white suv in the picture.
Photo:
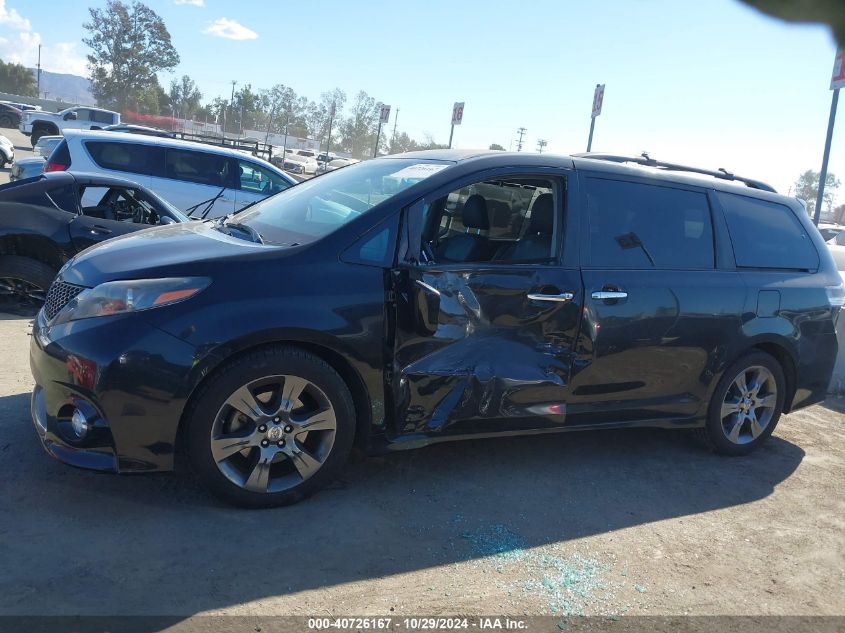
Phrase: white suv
(37, 123)
(201, 180)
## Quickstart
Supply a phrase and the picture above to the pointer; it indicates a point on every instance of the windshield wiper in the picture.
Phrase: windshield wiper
(222, 222)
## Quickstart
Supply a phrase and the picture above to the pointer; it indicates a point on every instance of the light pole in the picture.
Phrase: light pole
(541, 143)
(521, 131)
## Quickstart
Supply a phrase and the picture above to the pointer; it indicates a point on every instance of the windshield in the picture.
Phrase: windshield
(319, 206)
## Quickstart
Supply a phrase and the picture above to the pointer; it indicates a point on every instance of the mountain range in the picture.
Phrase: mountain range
(64, 87)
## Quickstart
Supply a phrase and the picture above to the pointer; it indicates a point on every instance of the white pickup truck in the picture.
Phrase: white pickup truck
(37, 123)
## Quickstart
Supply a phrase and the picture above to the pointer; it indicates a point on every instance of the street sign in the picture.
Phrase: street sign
(384, 115)
(457, 113)
(598, 99)
(838, 78)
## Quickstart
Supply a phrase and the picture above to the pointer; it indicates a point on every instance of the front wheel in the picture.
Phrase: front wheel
(746, 406)
(25, 282)
(271, 428)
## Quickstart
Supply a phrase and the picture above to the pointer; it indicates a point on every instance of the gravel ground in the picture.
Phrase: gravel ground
(613, 522)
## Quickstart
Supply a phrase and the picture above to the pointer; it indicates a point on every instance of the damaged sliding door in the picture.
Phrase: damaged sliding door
(482, 347)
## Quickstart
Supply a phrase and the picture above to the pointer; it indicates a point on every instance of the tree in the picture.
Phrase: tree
(497, 147)
(319, 114)
(185, 97)
(129, 45)
(358, 130)
(807, 188)
(16, 79)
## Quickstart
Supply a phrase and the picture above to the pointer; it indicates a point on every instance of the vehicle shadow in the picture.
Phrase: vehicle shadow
(80, 543)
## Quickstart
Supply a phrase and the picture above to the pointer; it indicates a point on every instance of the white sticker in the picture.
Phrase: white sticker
(419, 171)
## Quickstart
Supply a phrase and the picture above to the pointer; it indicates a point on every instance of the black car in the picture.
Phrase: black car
(436, 296)
(46, 220)
(10, 116)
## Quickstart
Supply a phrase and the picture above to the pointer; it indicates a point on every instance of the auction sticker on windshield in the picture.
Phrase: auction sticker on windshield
(420, 170)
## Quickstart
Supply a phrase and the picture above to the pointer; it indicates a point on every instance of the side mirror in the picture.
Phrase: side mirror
(166, 219)
(70, 116)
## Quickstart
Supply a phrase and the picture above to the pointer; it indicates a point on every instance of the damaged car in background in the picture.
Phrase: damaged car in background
(436, 296)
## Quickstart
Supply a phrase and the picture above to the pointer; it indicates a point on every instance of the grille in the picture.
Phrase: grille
(59, 296)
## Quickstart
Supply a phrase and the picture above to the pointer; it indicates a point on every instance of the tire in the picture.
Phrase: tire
(737, 433)
(25, 281)
(5, 121)
(36, 136)
(279, 465)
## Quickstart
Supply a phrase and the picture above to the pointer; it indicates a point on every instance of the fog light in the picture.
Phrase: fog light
(80, 424)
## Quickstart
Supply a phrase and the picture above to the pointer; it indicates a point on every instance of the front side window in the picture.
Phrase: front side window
(257, 179)
(637, 226)
(129, 157)
(198, 167)
(99, 116)
(83, 114)
(767, 234)
(502, 220)
(317, 207)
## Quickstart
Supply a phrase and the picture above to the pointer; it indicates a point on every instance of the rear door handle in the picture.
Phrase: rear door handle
(605, 295)
(561, 298)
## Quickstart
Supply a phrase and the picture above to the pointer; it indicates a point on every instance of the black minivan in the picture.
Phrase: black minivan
(436, 296)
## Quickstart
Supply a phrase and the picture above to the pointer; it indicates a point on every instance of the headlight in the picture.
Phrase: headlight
(119, 297)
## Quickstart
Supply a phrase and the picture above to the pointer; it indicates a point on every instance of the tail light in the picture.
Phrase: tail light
(51, 166)
(59, 159)
(836, 299)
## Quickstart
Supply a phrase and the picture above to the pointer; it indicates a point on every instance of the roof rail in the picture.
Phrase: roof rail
(646, 160)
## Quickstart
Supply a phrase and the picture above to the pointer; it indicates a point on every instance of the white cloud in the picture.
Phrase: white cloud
(13, 19)
(193, 3)
(19, 44)
(230, 29)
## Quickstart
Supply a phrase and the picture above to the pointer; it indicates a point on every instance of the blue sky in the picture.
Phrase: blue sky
(711, 83)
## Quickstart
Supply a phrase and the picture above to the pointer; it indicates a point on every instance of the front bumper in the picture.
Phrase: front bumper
(128, 376)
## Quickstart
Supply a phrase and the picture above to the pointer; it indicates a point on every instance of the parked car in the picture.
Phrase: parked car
(46, 220)
(10, 116)
(7, 151)
(45, 145)
(139, 129)
(27, 168)
(36, 123)
(203, 180)
(23, 107)
(829, 230)
(338, 163)
(436, 296)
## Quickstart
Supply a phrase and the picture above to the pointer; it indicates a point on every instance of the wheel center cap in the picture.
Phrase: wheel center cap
(275, 433)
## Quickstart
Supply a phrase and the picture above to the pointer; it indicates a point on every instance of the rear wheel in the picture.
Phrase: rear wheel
(271, 428)
(37, 133)
(5, 120)
(25, 281)
(746, 406)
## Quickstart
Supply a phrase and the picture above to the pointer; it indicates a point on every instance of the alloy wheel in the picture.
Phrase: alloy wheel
(27, 294)
(273, 433)
(749, 405)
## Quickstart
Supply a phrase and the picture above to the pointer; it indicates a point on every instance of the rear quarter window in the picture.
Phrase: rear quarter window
(134, 158)
(767, 234)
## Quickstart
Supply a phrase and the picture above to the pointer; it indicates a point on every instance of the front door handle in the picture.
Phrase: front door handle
(605, 295)
(561, 298)
(98, 229)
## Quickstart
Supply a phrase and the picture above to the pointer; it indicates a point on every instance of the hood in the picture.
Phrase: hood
(172, 250)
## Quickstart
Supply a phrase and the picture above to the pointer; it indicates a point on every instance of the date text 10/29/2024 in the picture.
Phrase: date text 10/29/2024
(417, 624)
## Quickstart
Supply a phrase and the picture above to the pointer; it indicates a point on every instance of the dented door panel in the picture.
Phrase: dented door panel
(475, 355)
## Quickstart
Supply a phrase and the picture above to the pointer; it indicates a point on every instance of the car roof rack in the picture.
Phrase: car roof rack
(647, 161)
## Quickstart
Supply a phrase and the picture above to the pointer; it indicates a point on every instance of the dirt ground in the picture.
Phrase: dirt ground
(613, 522)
